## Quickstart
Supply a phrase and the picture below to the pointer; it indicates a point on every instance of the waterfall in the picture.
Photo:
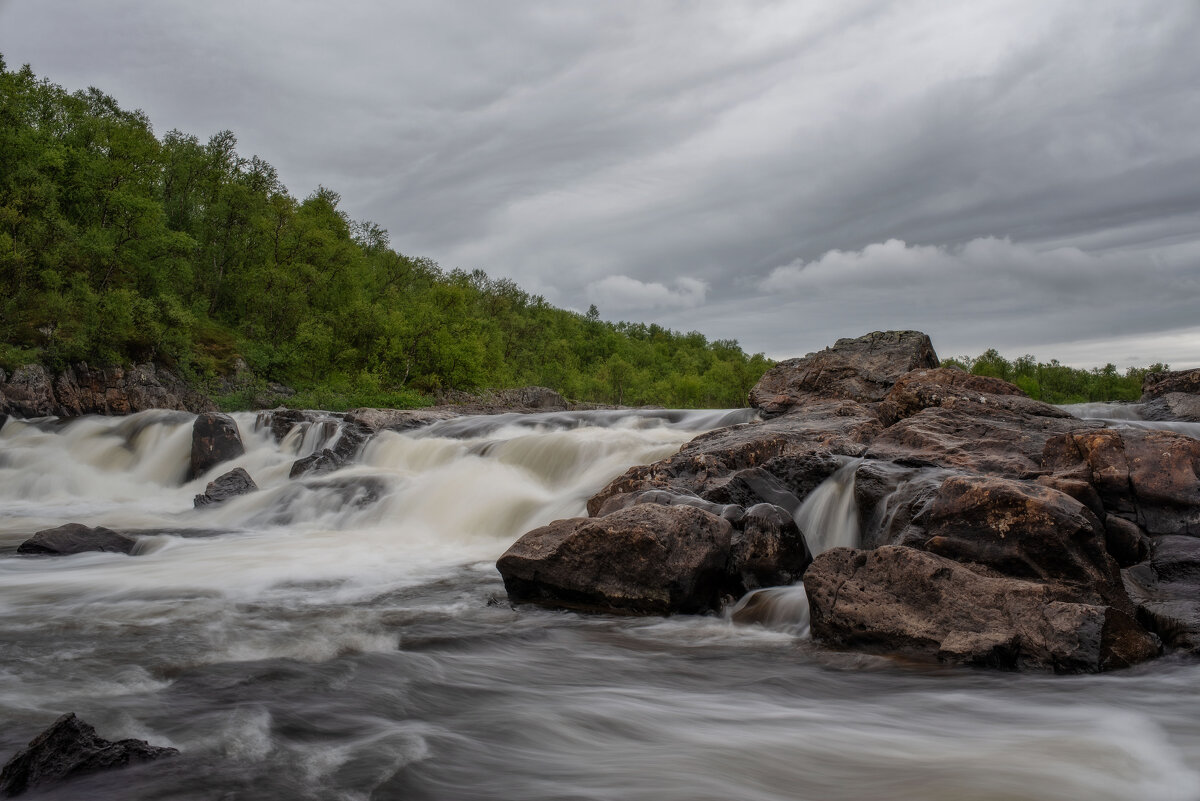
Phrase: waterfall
(829, 516)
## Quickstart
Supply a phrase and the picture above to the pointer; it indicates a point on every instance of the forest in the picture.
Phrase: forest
(120, 246)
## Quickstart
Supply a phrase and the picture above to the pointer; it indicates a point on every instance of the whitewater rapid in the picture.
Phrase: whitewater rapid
(346, 636)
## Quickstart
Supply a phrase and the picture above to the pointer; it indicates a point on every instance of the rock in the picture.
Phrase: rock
(323, 461)
(1173, 406)
(904, 601)
(28, 392)
(649, 559)
(709, 462)
(862, 369)
(521, 399)
(977, 437)
(71, 748)
(731, 512)
(1157, 385)
(1166, 590)
(281, 421)
(1125, 541)
(945, 386)
(893, 501)
(74, 538)
(1151, 478)
(768, 550)
(32, 392)
(397, 419)
(1024, 530)
(215, 439)
(225, 486)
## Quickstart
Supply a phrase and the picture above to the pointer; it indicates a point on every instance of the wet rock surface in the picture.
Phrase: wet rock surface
(76, 538)
(71, 748)
(225, 486)
(994, 529)
(215, 439)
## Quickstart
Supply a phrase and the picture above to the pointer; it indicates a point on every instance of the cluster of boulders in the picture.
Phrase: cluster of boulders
(996, 530)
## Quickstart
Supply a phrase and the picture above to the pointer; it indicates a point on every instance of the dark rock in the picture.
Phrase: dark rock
(1125, 541)
(768, 550)
(710, 461)
(1175, 406)
(228, 485)
(323, 461)
(32, 392)
(731, 512)
(904, 601)
(75, 538)
(1166, 590)
(862, 369)
(29, 392)
(280, 422)
(521, 399)
(71, 748)
(893, 501)
(1157, 385)
(215, 439)
(1151, 478)
(649, 559)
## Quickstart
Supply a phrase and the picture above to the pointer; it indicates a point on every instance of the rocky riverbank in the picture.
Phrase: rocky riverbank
(992, 529)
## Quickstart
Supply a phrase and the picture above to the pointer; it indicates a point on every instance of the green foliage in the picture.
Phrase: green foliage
(1057, 383)
(117, 246)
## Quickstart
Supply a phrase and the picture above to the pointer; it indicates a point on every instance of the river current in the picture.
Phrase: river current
(346, 636)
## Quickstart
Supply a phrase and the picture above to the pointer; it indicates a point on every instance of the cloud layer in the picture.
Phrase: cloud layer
(617, 156)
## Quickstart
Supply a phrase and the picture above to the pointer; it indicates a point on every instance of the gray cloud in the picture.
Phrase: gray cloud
(614, 153)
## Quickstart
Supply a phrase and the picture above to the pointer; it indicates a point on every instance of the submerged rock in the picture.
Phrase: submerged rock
(71, 748)
(225, 486)
(215, 439)
(74, 538)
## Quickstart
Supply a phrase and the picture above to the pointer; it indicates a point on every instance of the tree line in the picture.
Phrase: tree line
(1053, 382)
(119, 246)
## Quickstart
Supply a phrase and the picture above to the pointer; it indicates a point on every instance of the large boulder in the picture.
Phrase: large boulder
(900, 600)
(944, 386)
(75, 538)
(1172, 396)
(649, 559)
(766, 550)
(225, 486)
(1151, 478)
(215, 439)
(1166, 589)
(71, 748)
(1156, 385)
(862, 369)
(397, 419)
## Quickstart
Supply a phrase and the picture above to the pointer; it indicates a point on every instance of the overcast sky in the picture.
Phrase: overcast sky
(1022, 174)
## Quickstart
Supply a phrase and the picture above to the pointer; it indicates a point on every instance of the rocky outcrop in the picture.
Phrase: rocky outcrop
(862, 369)
(31, 391)
(75, 538)
(1157, 385)
(225, 486)
(648, 560)
(397, 419)
(215, 439)
(998, 530)
(904, 601)
(1172, 396)
(71, 748)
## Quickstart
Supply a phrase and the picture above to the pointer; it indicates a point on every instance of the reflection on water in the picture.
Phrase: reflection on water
(305, 645)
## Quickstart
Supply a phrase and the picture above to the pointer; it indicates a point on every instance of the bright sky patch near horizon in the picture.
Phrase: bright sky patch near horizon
(1023, 175)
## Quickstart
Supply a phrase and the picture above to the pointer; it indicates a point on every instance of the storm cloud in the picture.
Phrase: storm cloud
(1022, 175)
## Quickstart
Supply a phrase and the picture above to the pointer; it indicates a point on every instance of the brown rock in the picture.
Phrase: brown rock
(649, 560)
(1024, 530)
(946, 386)
(225, 486)
(1166, 589)
(1151, 478)
(861, 369)
(1156, 385)
(904, 601)
(397, 419)
(768, 550)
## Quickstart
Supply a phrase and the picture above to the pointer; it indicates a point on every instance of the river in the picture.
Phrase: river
(346, 636)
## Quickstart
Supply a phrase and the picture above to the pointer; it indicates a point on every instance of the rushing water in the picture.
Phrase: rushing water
(337, 637)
